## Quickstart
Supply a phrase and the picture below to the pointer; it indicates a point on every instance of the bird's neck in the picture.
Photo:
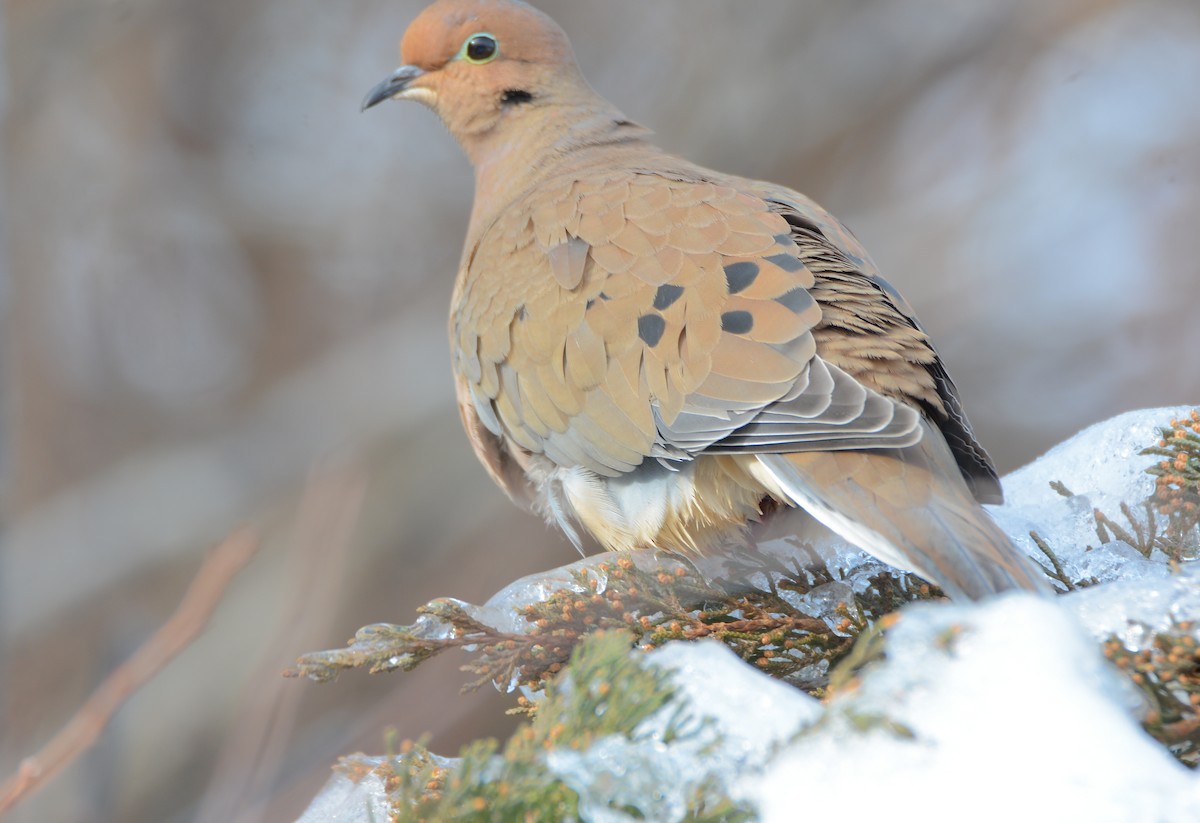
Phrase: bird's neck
(518, 156)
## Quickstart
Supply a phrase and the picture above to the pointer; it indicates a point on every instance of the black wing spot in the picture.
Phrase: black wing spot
(737, 322)
(651, 328)
(797, 300)
(740, 275)
(666, 295)
(787, 262)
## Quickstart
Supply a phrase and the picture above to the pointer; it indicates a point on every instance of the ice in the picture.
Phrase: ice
(617, 774)
(1103, 468)
(347, 799)
(1102, 461)
(502, 610)
(1134, 609)
(822, 601)
(1115, 560)
(791, 538)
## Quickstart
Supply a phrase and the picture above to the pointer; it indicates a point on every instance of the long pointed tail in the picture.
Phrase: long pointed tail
(908, 507)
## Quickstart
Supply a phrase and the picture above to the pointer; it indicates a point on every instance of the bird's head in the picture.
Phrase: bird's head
(480, 64)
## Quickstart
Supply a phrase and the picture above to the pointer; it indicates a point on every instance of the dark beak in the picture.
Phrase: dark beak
(399, 81)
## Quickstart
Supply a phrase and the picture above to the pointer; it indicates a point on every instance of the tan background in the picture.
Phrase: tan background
(219, 277)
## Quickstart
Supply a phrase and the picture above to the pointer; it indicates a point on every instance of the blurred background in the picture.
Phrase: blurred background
(224, 294)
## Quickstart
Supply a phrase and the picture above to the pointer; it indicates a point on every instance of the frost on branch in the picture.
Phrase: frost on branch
(788, 619)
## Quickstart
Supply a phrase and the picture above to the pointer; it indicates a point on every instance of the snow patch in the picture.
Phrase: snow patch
(999, 711)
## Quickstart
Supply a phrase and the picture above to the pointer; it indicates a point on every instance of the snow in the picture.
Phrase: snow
(995, 711)
(1012, 715)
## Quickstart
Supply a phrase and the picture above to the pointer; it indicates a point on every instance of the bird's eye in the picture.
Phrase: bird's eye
(480, 48)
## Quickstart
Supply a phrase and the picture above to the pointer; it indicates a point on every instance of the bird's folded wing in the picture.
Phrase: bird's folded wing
(611, 317)
(870, 330)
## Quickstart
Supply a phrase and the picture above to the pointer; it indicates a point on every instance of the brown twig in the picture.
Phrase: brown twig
(1181, 730)
(756, 626)
(81, 732)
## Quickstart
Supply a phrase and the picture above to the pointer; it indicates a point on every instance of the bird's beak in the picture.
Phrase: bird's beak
(395, 85)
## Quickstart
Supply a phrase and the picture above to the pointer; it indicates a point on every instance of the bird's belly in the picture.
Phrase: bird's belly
(693, 506)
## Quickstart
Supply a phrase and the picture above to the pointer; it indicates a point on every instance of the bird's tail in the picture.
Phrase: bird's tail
(910, 508)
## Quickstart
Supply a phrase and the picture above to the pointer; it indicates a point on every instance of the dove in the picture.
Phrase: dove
(660, 355)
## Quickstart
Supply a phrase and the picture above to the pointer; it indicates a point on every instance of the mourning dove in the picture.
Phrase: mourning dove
(662, 354)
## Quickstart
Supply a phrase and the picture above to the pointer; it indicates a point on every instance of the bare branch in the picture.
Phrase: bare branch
(84, 729)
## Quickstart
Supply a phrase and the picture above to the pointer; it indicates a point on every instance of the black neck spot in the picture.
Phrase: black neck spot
(514, 97)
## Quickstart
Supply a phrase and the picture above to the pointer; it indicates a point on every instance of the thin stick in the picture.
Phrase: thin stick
(81, 732)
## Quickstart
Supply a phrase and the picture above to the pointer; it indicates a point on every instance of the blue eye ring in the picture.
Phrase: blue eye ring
(480, 48)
